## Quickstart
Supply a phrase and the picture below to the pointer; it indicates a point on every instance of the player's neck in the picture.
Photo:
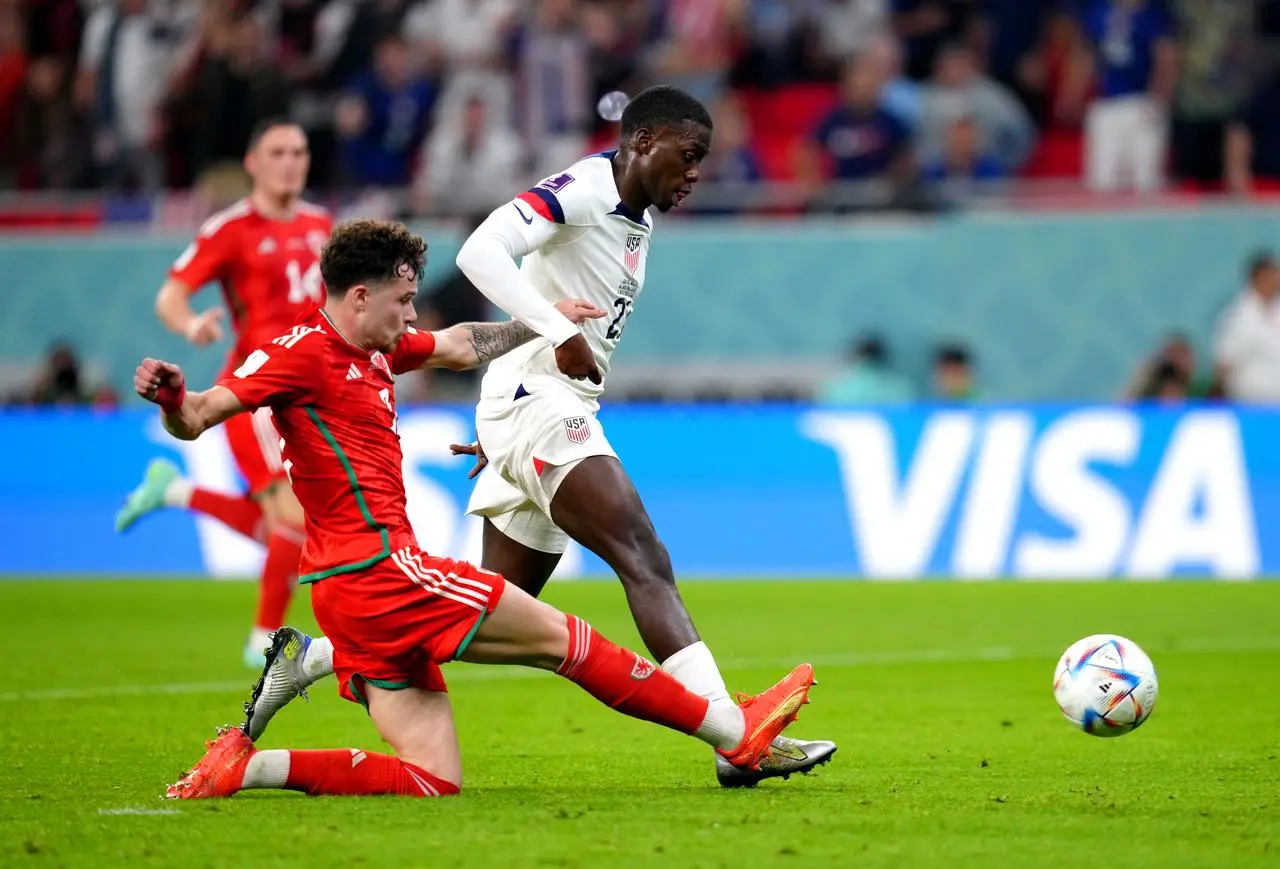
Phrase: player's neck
(626, 177)
(344, 321)
(274, 207)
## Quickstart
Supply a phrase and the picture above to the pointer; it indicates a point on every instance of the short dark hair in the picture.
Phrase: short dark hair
(870, 347)
(1260, 262)
(662, 106)
(952, 354)
(266, 125)
(370, 252)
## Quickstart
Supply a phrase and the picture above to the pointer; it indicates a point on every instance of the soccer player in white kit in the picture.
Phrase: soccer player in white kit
(583, 233)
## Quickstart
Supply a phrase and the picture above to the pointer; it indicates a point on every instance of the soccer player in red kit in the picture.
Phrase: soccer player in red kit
(393, 612)
(264, 252)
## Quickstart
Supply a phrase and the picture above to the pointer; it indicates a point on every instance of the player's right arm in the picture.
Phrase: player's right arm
(488, 259)
(278, 374)
(186, 415)
(206, 259)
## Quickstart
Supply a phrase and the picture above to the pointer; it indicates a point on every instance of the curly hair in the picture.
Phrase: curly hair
(370, 252)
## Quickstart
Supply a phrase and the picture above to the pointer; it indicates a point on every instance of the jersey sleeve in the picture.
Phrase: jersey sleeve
(413, 351)
(488, 256)
(282, 372)
(206, 259)
(564, 200)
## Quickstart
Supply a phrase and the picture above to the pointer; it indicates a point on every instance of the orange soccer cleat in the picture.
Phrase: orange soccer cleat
(220, 773)
(767, 714)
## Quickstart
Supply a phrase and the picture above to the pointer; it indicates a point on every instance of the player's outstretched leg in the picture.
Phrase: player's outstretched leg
(523, 630)
(597, 505)
(164, 486)
(296, 660)
(419, 727)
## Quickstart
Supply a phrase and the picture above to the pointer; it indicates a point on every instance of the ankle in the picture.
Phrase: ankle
(724, 727)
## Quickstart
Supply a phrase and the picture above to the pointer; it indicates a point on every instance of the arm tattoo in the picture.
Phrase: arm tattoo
(491, 340)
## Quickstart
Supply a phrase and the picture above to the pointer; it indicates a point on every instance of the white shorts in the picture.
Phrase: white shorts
(526, 441)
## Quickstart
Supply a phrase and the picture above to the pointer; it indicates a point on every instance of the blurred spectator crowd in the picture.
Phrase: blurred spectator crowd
(449, 104)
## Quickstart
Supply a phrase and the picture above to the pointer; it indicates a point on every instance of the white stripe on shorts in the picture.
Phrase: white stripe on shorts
(451, 581)
(403, 560)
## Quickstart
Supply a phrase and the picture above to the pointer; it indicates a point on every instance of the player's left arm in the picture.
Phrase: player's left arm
(527, 223)
(186, 415)
(470, 345)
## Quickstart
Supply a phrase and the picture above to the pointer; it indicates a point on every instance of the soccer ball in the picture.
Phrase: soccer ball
(1105, 685)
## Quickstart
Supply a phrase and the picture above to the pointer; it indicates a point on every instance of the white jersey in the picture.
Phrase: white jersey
(596, 250)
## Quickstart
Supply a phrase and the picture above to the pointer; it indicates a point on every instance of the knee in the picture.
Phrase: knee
(552, 647)
(430, 782)
(545, 641)
(643, 559)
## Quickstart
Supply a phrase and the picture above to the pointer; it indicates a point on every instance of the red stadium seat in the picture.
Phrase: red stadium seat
(1058, 154)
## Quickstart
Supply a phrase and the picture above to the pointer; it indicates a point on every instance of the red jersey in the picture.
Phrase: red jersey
(269, 269)
(335, 408)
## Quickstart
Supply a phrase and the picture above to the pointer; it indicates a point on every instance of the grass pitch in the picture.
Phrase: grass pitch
(952, 751)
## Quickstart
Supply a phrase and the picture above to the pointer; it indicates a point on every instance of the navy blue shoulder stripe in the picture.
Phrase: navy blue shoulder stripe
(553, 208)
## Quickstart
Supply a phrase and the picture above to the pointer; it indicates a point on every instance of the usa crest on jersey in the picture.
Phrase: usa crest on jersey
(631, 255)
(577, 429)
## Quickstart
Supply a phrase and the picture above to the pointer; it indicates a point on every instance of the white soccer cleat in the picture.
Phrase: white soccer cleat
(282, 680)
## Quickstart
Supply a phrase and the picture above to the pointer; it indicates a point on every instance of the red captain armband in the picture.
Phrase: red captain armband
(413, 351)
(170, 399)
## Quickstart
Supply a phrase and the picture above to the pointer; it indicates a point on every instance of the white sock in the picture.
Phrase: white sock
(695, 669)
(318, 661)
(267, 769)
(723, 727)
(260, 638)
(178, 493)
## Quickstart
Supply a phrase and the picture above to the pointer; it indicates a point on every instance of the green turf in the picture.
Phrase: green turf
(952, 751)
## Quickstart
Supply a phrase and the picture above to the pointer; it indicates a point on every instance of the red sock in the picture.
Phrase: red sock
(279, 573)
(350, 772)
(628, 682)
(238, 512)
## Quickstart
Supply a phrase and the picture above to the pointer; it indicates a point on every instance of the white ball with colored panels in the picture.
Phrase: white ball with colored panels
(1106, 685)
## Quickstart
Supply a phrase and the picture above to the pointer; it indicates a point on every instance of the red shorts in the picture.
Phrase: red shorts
(394, 624)
(255, 443)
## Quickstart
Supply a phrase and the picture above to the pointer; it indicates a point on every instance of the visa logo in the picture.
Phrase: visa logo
(1084, 494)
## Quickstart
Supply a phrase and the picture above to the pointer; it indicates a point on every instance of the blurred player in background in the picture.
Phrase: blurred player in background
(393, 612)
(583, 233)
(264, 252)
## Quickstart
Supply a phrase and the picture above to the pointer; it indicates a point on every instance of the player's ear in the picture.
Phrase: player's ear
(359, 294)
(642, 142)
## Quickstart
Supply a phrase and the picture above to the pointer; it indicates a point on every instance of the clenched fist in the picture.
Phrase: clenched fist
(160, 382)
